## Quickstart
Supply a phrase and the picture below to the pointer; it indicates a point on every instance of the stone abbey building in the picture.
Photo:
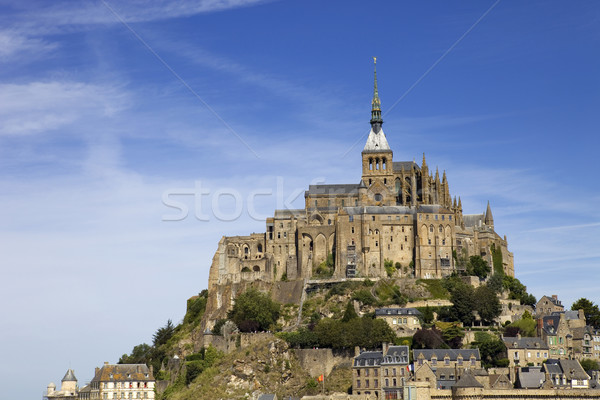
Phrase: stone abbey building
(398, 211)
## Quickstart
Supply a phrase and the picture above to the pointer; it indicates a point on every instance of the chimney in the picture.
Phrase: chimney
(581, 314)
(384, 347)
(151, 370)
(540, 326)
(356, 351)
(555, 297)
(138, 369)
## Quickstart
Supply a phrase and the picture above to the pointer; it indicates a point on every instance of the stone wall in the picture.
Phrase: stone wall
(322, 361)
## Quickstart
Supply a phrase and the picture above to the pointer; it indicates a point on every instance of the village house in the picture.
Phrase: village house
(404, 321)
(523, 351)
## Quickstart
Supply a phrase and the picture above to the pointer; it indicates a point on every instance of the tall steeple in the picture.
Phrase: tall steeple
(376, 120)
(489, 219)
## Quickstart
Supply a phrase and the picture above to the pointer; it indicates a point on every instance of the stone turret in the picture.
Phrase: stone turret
(489, 219)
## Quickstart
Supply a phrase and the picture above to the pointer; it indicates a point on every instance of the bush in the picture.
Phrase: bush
(254, 311)
(365, 297)
(389, 267)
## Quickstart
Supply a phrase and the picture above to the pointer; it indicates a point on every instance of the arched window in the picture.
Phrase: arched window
(377, 164)
(259, 248)
(370, 164)
(384, 163)
(256, 268)
(431, 228)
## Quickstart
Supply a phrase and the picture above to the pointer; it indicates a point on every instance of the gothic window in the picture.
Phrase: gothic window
(377, 164)
(431, 228)
(384, 163)
(440, 229)
(370, 164)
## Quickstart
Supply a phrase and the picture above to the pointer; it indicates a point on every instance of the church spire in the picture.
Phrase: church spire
(376, 120)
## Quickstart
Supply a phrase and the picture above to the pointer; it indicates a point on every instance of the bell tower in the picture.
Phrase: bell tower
(377, 169)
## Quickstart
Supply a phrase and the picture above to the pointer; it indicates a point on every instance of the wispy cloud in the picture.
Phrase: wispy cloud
(38, 107)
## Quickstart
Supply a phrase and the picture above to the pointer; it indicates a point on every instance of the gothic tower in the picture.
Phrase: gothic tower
(377, 170)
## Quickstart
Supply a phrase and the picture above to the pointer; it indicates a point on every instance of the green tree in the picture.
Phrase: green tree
(591, 311)
(589, 364)
(487, 304)
(495, 282)
(254, 310)
(389, 267)
(463, 299)
(139, 355)
(453, 336)
(163, 334)
(217, 329)
(350, 312)
(490, 348)
(478, 266)
(526, 326)
(427, 314)
(428, 339)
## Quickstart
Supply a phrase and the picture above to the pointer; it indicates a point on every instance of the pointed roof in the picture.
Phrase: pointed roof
(376, 141)
(69, 376)
(468, 380)
(489, 219)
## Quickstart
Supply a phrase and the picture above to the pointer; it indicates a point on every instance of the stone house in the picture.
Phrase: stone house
(122, 381)
(548, 305)
(447, 358)
(381, 373)
(404, 321)
(557, 330)
(566, 374)
(524, 351)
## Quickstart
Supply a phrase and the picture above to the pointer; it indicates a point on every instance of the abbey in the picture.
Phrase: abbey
(398, 211)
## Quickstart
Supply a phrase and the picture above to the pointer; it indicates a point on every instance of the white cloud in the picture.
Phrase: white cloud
(37, 107)
(15, 45)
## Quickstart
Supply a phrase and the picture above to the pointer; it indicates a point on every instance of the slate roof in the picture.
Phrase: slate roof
(333, 189)
(524, 343)
(376, 141)
(573, 370)
(452, 353)
(472, 220)
(123, 372)
(267, 397)
(396, 355)
(468, 380)
(550, 324)
(397, 311)
(407, 165)
(368, 359)
(531, 377)
(69, 376)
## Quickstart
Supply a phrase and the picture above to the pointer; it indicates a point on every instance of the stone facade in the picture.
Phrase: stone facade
(122, 381)
(399, 211)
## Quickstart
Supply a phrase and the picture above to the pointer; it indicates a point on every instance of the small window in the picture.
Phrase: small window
(436, 217)
(352, 229)
(378, 197)
(351, 219)
(373, 218)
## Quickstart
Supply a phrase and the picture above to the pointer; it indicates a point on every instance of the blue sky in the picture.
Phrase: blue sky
(108, 108)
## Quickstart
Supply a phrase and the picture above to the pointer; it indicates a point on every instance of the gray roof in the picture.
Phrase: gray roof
(69, 376)
(406, 165)
(397, 311)
(376, 141)
(524, 343)
(334, 189)
(531, 377)
(550, 324)
(440, 354)
(368, 359)
(433, 208)
(267, 397)
(379, 210)
(472, 220)
(396, 355)
(571, 314)
(573, 370)
(468, 380)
